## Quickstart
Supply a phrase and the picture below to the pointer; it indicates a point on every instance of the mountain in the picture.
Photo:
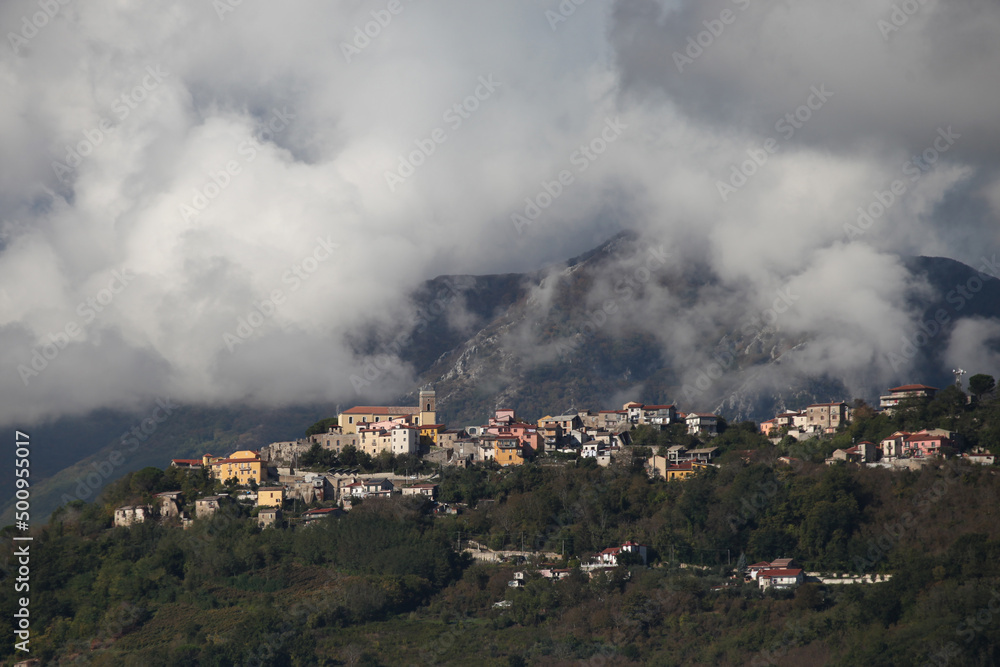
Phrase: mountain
(538, 347)
(586, 334)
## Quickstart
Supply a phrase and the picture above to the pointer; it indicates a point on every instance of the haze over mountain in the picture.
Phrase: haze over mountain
(590, 333)
(232, 204)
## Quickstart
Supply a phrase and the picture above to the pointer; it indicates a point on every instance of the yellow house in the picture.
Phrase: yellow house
(507, 452)
(431, 432)
(684, 470)
(244, 465)
(270, 496)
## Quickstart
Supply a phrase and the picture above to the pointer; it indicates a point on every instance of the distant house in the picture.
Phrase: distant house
(656, 466)
(980, 458)
(244, 466)
(904, 392)
(170, 503)
(611, 557)
(658, 415)
(702, 423)
(208, 506)
(682, 471)
(892, 446)
(428, 490)
(826, 417)
(321, 513)
(779, 573)
(863, 452)
(926, 443)
(132, 514)
(767, 426)
(555, 574)
(269, 516)
(270, 496)
(378, 486)
(508, 451)
(187, 464)
(780, 578)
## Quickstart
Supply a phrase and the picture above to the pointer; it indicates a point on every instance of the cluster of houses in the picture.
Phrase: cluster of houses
(628, 553)
(822, 418)
(901, 449)
(505, 438)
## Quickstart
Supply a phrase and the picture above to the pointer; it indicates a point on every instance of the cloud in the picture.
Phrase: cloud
(217, 158)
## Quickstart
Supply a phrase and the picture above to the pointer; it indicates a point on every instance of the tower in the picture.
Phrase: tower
(428, 408)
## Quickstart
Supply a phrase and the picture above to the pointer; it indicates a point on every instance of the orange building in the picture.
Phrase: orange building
(245, 465)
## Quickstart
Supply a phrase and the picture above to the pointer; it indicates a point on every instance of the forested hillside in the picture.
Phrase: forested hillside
(384, 583)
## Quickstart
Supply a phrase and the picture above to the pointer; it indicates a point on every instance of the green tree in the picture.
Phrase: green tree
(981, 384)
(322, 426)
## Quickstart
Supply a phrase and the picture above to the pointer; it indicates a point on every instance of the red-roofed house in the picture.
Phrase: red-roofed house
(925, 443)
(610, 557)
(780, 578)
(897, 394)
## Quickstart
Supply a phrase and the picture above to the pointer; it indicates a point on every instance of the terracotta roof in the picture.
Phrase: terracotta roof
(657, 407)
(912, 387)
(187, 461)
(381, 410)
(702, 414)
(781, 573)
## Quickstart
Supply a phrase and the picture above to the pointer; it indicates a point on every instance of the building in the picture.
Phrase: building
(208, 506)
(508, 451)
(826, 417)
(417, 415)
(428, 490)
(612, 557)
(682, 471)
(780, 579)
(170, 503)
(269, 516)
(657, 415)
(702, 423)
(892, 447)
(334, 440)
(926, 443)
(393, 437)
(187, 464)
(656, 466)
(378, 486)
(132, 514)
(906, 391)
(321, 513)
(245, 466)
(270, 496)
(555, 429)
(767, 426)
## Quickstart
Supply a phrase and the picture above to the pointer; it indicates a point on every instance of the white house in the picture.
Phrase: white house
(779, 579)
(702, 423)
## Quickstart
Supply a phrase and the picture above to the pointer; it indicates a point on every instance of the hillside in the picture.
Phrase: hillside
(384, 584)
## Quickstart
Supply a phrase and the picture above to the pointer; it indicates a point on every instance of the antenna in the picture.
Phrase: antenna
(958, 376)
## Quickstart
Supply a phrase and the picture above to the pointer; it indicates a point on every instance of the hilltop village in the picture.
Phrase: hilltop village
(283, 474)
(384, 516)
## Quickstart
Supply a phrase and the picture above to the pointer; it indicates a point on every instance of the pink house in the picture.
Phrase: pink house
(767, 426)
(926, 443)
(526, 434)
